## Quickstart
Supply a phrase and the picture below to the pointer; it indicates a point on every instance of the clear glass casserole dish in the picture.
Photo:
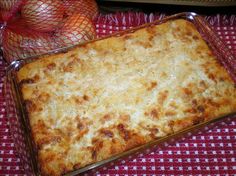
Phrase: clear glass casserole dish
(18, 116)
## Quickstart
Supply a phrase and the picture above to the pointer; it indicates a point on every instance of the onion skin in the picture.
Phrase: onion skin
(85, 7)
(76, 29)
(43, 15)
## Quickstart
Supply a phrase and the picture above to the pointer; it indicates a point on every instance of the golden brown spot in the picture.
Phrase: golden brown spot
(61, 83)
(50, 157)
(36, 78)
(45, 135)
(125, 117)
(107, 133)
(203, 84)
(191, 85)
(171, 124)
(222, 79)
(189, 33)
(227, 92)
(199, 52)
(150, 37)
(200, 108)
(43, 97)
(154, 113)
(107, 117)
(48, 139)
(144, 44)
(85, 97)
(73, 56)
(195, 37)
(125, 134)
(185, 39)
(30, 106)
(170, 113)
(82, 126)
(85, 47)
(210, 54)
(50, 82)
(97, 145)
(95, 140)
(152, 85)
(181, 124)
(197, 119)
(194, 102)
(190, 110)
(26, 81)
(134, 140)
(153, 132)
(63, 168)
(127, 37)
(116, 146)
(224, 101)
(177, 29)
(78, 100)
(151, 31)
(51, 66)
(94, 154)
(69, 66)
(212, 77)
(187, 91)
(77, 166)
(162, 96)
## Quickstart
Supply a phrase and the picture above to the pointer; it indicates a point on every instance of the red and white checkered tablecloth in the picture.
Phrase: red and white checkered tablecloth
(211, 153)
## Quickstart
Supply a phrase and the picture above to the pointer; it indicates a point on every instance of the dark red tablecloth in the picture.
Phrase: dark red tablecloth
(211, 153)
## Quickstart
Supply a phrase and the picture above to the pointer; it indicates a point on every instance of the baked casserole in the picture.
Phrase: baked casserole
(108, 96)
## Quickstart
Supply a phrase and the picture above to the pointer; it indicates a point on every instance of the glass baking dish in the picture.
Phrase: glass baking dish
(19, 125)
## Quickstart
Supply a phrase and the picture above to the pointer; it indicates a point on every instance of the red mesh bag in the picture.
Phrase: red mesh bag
(20, 42)
(45, 25)
(75, 29)
(7, 4)
(86, 7)
(9, 8)
(42, 15)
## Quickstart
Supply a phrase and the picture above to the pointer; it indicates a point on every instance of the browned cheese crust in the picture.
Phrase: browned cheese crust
(111, 95)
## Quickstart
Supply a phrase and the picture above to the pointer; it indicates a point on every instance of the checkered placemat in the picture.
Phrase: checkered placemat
(211, 153)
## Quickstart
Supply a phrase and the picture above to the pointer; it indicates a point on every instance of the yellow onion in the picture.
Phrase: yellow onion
(43, 15)
(8, 4)
(21, 44)
(86, 7)
(75, 29)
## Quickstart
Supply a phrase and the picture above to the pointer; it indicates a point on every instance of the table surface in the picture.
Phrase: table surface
(211, 153)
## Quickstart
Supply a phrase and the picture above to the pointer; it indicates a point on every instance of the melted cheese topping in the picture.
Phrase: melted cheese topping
(111, 95)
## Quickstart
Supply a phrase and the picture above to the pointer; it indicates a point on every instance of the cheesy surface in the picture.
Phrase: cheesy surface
(111, 95)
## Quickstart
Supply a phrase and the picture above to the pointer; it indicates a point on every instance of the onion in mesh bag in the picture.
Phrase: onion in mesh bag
(23, 44)
(75, 29)
(86, 7)
(9, 8)
(7, 4)
(43, 15)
